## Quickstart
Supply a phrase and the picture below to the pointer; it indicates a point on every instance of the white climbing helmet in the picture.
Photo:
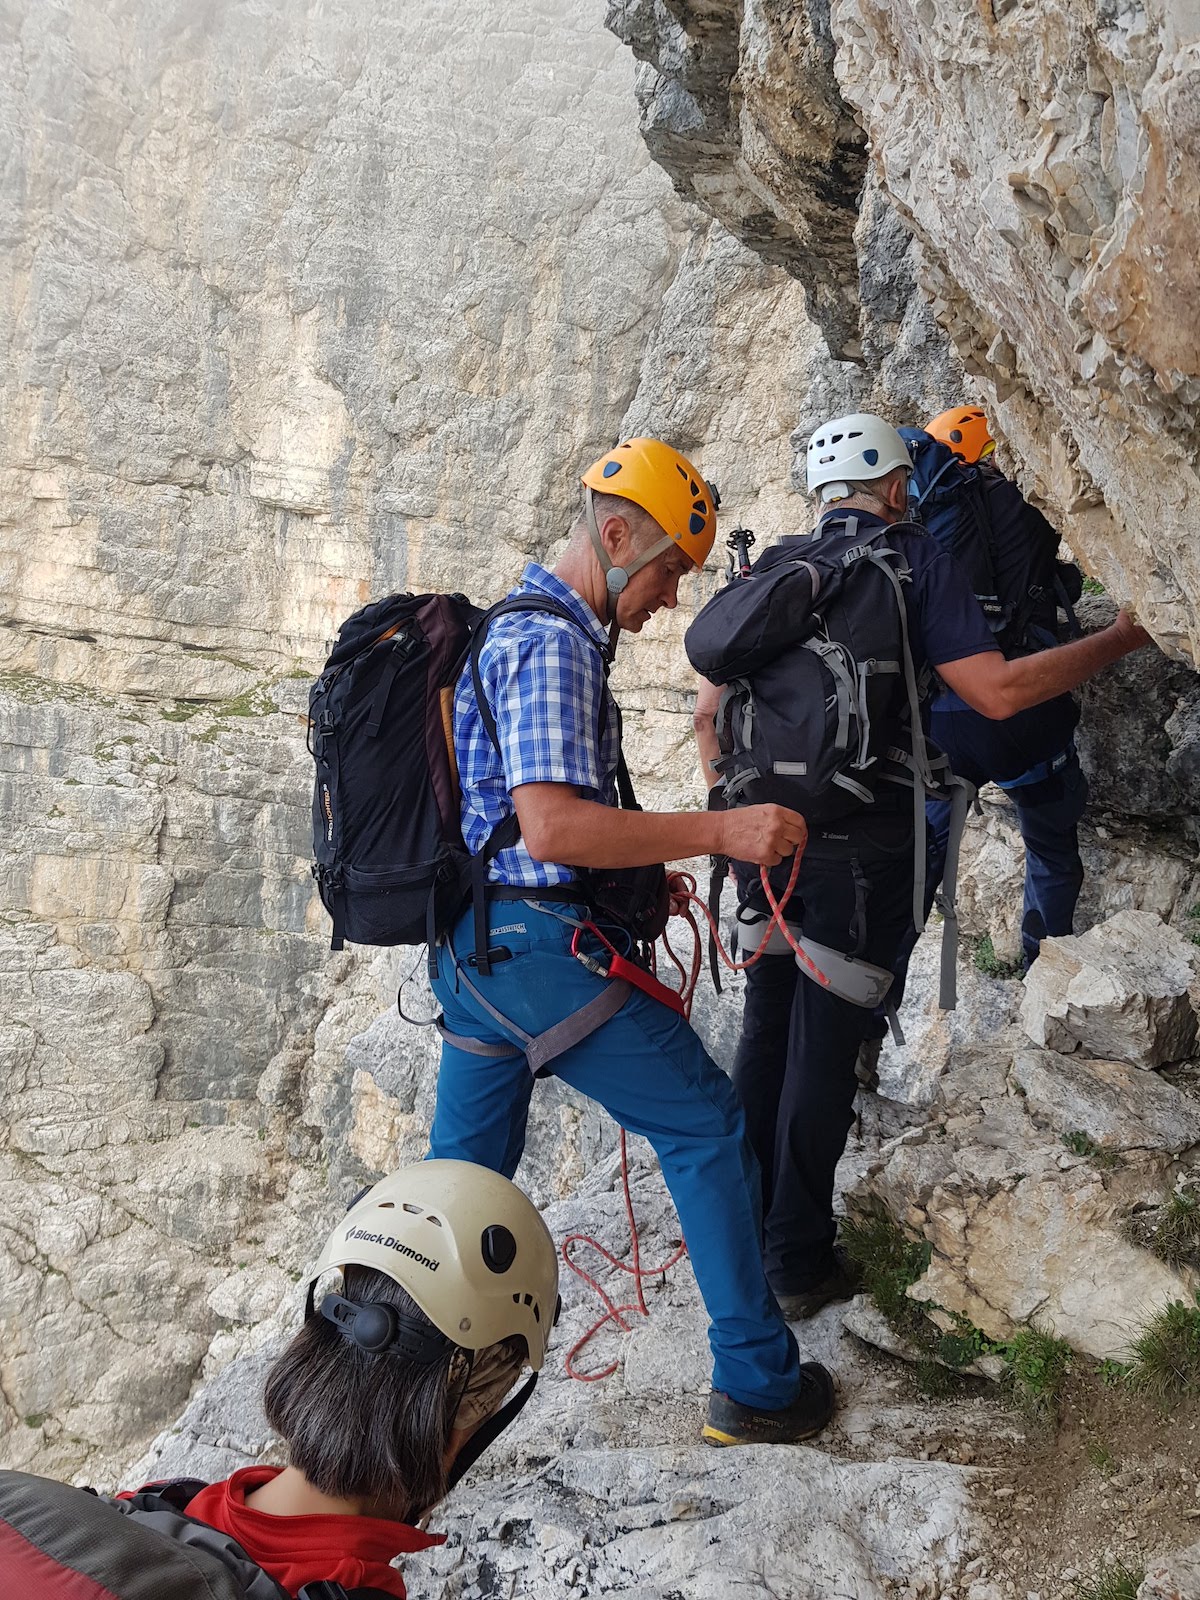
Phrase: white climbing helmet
(853, 449)
(470, 1248)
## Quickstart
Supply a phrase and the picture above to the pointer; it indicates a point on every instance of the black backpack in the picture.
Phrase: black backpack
(386, 833)
(62, 1543)
(390, 863)
(821, 709)
(822, 704)
(1009, 550)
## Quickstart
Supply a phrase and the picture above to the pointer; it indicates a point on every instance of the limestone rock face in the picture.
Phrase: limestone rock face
(297, 308)
(1139, 733)
(1173, 1577)
(1023, 1179)
(1045, 159)
(750, 125)
(1120, 991)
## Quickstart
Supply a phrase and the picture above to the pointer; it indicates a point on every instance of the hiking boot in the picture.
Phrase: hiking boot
(730, 1423)
(866, 1068)
(843, 1283)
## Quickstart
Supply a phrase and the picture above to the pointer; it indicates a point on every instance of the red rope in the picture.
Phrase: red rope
(683, 897)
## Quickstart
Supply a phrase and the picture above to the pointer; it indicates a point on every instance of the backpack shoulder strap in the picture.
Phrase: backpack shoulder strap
(506, 832)
(141, 1549)
(507, 607)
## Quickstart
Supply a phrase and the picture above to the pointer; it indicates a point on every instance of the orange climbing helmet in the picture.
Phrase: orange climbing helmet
(668, 487)
(965, 429)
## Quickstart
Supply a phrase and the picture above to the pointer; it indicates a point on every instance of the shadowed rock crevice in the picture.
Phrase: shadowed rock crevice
(740, 106)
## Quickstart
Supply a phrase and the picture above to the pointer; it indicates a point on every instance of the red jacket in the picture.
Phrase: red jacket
(298, 1550)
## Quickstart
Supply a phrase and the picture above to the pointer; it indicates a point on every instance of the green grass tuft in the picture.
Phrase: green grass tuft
(1115, 1582)
(1174, 1234)
(1038, 1364)
(990, 964)
(890, 1261)
(1093, 586)
(1166, 1354)
(1100, 1457)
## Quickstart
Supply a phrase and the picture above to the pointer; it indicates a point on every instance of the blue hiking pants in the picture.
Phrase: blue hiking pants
(650, 1072)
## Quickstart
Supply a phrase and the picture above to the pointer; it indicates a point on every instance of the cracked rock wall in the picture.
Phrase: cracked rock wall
(1047, 159)
(298, 306)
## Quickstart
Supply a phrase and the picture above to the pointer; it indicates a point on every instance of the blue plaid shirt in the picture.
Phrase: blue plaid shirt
(543, 679)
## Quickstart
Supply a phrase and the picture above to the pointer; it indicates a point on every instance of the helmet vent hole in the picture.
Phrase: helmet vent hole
(956, 435)
(871, 457)
(836, 438)
(680, 471)
(537, 1312)
(435, 1220)
(611, 468)
(413, 1211)
(387, 1205)
(695, 523)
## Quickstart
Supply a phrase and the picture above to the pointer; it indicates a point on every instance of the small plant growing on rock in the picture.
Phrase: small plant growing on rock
(1115, 1582)
(890, 1260)
(964, 1343)
(1113, 1373)
(1080, 1144)
(1093, 586)
(1166, 1354)
(990, 964)
(1038, 1364)
(1172, 1230)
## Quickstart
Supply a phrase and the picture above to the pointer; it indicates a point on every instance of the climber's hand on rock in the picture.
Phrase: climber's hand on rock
(1129, 631)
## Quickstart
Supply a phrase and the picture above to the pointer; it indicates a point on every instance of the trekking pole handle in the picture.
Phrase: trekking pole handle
(738, 544)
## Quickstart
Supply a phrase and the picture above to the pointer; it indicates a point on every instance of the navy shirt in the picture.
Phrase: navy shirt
(945, 621)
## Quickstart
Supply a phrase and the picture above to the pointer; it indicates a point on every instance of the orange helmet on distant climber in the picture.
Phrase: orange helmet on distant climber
(965, 429)
(668, 488)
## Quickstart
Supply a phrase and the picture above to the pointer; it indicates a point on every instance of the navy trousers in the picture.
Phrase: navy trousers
(1049, 795)
(650, 1072)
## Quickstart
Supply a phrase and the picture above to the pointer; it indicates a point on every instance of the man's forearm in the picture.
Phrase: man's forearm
(998, 688)
(587, 834)
(1030, 680)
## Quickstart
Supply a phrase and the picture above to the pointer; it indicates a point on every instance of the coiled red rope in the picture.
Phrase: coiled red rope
(683, 897)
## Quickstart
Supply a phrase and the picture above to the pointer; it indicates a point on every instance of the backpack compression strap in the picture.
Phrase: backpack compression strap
(507, 832)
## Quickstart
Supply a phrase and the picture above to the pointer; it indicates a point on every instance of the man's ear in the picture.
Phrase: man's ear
(896, 493)
(616, 536)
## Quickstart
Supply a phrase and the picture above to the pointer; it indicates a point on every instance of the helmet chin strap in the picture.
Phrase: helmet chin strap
(616, 579)
(488, 1432)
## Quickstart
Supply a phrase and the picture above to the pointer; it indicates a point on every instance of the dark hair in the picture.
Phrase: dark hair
(359, 1425)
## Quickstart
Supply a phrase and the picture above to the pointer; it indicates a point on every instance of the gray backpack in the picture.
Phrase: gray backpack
(62, 1543)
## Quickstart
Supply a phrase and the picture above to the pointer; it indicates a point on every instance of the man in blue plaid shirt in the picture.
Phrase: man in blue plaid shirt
(648, 519)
